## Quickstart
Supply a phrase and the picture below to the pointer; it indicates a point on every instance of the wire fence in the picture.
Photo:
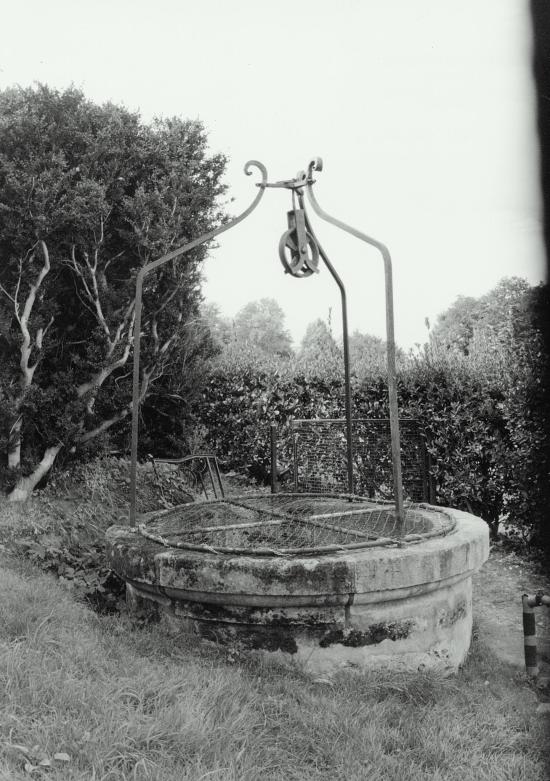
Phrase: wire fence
(319, 458)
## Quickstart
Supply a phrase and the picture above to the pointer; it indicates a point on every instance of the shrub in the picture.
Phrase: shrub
(460, 413)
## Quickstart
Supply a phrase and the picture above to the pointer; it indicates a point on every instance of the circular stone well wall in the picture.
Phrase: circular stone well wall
(370, 604)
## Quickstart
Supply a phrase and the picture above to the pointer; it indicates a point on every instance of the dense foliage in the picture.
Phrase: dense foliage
(259, 326)
(485, 413)
(465, 431)
(88, 195)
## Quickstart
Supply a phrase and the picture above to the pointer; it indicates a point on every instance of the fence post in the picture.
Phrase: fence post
(426, 493)
(273, 438)
(432, 499)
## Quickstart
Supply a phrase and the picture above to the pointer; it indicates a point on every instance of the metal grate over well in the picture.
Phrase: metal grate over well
(292, 524)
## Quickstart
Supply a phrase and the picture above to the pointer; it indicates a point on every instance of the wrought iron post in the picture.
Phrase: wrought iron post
(347, 378)
(317, 165)
(137, 326)
(273, 443)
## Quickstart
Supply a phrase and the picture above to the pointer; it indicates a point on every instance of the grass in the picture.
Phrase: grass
(115, 700)
(126, 702)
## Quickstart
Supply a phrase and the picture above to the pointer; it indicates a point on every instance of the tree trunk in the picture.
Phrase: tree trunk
(25, 485)
(14, 452)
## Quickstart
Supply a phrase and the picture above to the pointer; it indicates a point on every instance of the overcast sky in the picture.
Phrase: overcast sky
(422, 111)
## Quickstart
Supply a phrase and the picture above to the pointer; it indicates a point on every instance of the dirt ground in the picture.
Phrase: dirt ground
(497, 607)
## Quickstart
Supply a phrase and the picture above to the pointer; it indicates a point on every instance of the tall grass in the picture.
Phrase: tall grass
(124, 702)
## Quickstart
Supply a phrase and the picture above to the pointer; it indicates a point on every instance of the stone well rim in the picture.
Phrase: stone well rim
(369, 571)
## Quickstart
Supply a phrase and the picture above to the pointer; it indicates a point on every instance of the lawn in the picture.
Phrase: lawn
(103, 697)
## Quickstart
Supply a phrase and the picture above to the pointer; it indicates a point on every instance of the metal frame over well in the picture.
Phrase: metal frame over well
(290, 524)
(299, 251)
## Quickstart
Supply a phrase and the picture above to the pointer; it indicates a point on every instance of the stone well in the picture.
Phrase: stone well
(376, 602)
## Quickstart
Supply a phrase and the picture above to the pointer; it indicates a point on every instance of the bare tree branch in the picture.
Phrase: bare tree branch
(5, 292)
(123, 413)
(104, 426)
(26, 369)
(26, 485)
(122, 325)
(29, 303)
(41, 333)
(94, 384)
(93, 291)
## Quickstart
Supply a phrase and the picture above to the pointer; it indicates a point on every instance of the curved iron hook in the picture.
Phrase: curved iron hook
(138, 310)
(316, 164)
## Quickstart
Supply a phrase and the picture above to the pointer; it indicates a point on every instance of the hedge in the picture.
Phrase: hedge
(486, 428)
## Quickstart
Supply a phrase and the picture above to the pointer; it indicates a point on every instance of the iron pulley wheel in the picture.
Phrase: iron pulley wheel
(303, 258)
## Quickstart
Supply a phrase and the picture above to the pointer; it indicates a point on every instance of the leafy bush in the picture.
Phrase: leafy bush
(526, 412)
(237, 407)
(484, 408)
(66, 537)
(461, 415)
(471, 419)
(90, 194)
(485, 415)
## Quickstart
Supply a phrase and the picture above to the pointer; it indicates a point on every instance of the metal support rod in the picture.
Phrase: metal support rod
(211, 475)
(273, 442)
(219, 478)
(203, 486)
(317, 165)
(295, 460)
(138, 313)
(345, 336)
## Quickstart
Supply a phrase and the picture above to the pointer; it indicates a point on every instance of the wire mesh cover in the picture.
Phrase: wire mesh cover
(287, 524)
(320, 457)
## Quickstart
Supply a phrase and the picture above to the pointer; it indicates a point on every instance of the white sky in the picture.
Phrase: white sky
(422, 110)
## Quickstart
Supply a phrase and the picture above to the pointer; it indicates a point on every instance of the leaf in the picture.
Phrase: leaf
(62, 757)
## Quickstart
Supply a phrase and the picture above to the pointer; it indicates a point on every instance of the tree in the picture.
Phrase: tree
(319, 354)
(526, 410)
(219, 327)
(88, 195)
(454, 328)
(260, 326)
(318, 341)
(167, 424)
(480, 324)
(506, 354)
(368, 355)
